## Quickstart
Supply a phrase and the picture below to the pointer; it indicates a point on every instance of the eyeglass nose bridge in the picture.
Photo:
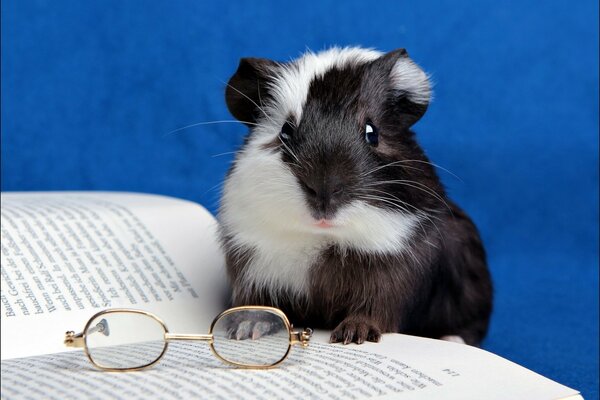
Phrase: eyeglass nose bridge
(186, 336)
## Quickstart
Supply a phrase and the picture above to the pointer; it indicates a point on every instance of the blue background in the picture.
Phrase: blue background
(90, 90)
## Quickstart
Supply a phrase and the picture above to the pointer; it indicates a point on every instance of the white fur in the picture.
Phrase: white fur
(263, 207)
(407, 77)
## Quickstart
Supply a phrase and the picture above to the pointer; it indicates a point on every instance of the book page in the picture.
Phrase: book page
(67, 255)
(401, 367)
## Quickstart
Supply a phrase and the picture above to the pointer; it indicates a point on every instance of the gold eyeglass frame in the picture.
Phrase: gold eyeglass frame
(295, 337)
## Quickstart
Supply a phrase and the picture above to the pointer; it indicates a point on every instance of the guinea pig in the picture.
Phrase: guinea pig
(332, 212)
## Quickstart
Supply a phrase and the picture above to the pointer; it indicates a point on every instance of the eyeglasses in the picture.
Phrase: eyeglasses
(123, 339)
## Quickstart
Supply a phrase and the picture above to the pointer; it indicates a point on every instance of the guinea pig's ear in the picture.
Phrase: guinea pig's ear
(410, 87)
(247, 88)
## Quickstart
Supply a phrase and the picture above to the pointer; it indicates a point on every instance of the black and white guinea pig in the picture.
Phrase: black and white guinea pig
(332, 212)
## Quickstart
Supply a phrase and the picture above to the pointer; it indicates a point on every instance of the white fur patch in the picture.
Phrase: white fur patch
(290, 87)
(407, 77)
(263, 207)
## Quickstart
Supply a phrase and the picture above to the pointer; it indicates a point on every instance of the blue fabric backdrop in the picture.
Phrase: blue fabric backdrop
(90, 90)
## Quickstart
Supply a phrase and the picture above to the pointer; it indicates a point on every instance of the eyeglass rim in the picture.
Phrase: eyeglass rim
(124, 310)
(274, 310)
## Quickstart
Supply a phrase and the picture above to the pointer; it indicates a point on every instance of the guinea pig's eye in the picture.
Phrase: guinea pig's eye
(287, 130)
(371, 135)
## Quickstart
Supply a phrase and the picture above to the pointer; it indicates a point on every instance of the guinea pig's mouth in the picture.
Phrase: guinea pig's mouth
(324, 223)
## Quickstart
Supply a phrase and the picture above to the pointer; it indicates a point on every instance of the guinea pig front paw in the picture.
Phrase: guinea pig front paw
(247, 326)
(357, 330)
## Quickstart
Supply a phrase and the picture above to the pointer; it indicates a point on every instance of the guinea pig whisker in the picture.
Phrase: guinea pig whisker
(289, 150)
(388, 195)
(385, 200)
(401, 162)
(262, 104)
(294, 164)
(277, 181)
(395, 163)
(423, 212)
(218, 185)
(281, 183)
(425, 189)
(419, 212)
(436, 166)
(252, 101)
(259, 97)
(416, 185)
(224, 154)
(208, 123)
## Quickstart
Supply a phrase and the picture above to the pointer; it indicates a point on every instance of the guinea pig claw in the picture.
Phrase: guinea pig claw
(357, 330)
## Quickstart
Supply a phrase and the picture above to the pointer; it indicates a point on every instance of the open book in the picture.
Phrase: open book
(67, 255)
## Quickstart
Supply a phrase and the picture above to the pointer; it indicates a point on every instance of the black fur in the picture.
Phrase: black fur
(440, 284)
(247, 87)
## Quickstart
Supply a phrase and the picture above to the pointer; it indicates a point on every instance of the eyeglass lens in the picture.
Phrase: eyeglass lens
(123, 340)
(255, 338)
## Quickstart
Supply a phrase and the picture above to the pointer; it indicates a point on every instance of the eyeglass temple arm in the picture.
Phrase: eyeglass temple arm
(76, 340)
(302, 337)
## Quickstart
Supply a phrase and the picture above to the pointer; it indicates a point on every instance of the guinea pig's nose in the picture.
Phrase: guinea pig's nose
(323, 194)
(325, 189)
